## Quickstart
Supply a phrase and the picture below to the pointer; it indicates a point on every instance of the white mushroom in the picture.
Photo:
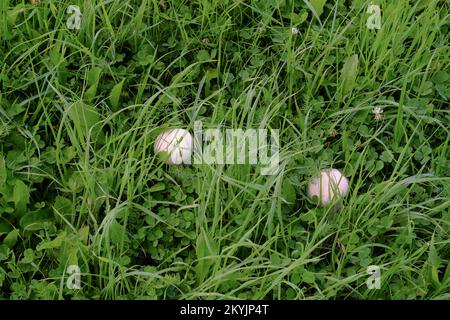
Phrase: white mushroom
(329, 186)
(177, 143)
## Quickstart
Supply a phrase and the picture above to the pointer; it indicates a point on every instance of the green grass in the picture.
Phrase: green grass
(80, 184)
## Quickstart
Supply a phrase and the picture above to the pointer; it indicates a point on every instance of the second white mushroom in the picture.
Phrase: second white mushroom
(331, 185)
(177, 143)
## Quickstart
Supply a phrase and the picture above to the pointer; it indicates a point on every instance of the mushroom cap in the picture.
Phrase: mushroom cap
(329, 186)
(177, 143)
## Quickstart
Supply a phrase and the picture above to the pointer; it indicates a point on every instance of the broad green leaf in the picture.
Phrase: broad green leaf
(73, 255)
(63, 209)
(433, 257)
(93, 77)
(117, 233)
(63, 205)
(308, 277)
(83, 117)
(157, 187)
(28, 256)
(83, 234)
(288, 191)
(114, 97)
(4, 227)
(275, 259)
(35, 220)
(318, 5)
(3, 252)
(349, 73)
(309, 216)
(11, 239)
(440, 77)
(296, 278)
(203, 55)
(52, 244)
(15, 109)
(435, 277)
(13, 13)
(21, 195)
(68, 250)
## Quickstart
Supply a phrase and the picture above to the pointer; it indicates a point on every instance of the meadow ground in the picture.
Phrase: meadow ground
(84, 91)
